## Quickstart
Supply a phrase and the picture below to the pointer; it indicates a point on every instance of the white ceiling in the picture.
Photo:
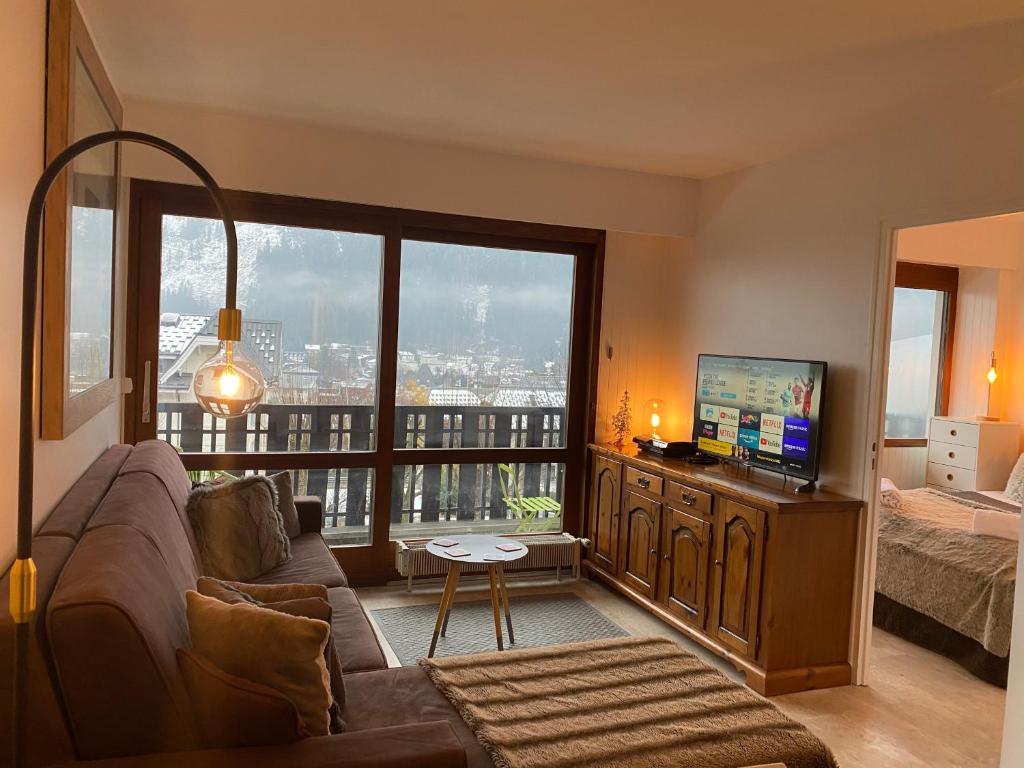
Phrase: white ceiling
(684, 88)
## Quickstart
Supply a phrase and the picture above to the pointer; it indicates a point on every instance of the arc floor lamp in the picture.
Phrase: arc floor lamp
(227, 385)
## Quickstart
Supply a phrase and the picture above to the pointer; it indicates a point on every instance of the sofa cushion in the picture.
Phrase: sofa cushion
(234, 712)
(403, 695)
(283, 652)
(311, 563)
(238, 527)
(72, 513)
(358, 649)
(162, 461)
(286, 503)
(115, 621)
(140, 501)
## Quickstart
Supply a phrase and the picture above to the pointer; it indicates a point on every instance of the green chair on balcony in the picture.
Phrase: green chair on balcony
(528, 510)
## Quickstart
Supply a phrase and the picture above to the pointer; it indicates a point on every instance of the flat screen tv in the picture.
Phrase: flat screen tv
(761, 412)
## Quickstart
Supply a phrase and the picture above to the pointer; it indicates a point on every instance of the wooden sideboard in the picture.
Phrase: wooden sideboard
(757, 573)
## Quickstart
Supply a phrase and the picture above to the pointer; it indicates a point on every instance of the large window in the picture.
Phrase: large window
(923, 317)
(425, 373)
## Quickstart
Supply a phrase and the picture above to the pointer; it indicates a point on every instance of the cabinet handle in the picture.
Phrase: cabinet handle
(643, 482)
(952, 433)
(952, 455)
(949, 477)
(667, 558)
(654, 552)
(718, 563)
(689, 499)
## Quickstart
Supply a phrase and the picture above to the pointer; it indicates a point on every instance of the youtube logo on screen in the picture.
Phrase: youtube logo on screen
(770, 443)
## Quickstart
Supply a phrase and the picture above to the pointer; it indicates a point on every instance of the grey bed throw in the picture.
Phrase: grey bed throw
(963, 580)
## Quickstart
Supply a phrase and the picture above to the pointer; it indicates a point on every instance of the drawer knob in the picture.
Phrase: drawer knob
(952, 432)
(718, 563)
(667, 558)
(643, 482)
(654, 552)
(949, 477)
(689, 499)
(952, 455)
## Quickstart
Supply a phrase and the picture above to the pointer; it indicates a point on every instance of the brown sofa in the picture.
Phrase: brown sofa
(115, 559)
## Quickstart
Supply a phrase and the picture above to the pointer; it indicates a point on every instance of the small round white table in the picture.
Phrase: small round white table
(479, 548)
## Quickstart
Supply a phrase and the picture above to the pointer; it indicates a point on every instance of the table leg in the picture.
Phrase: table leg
(457, 567)
(494, 605)
(446, 597)
(508, 609)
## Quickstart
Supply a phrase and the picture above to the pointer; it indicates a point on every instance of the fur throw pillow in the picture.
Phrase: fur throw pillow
(238, 528)
(1015, 485)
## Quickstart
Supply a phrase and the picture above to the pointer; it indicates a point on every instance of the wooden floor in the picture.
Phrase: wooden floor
(920, 711)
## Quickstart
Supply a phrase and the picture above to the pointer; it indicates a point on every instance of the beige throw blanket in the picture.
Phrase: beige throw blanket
(630, 702)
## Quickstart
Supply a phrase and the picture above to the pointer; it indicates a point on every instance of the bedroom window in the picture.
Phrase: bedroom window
(920, 350)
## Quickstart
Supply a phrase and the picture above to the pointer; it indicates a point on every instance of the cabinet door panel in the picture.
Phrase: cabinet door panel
(604, 513)
(685, 563)
(739, 544)
(640, 528)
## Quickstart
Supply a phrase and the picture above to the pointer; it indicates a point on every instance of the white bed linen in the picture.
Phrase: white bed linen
(1000, 496)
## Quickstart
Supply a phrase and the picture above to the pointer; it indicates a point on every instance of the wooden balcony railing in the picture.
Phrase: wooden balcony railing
(424, 497)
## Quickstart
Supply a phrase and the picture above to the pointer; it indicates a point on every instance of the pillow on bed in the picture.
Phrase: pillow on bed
(1015, 485)
(991, 522)
(891, 496)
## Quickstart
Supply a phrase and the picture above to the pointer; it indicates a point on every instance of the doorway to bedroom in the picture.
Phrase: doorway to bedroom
(951, 484)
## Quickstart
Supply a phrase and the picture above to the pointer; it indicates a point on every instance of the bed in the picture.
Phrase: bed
(944, 587)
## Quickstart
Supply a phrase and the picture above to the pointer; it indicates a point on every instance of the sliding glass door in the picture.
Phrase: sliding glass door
(425, 373)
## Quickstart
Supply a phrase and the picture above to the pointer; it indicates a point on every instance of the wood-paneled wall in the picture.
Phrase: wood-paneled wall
(649, 357)
(905, 466)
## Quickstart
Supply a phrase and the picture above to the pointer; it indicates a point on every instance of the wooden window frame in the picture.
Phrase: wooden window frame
(932, 277)
(151, 200)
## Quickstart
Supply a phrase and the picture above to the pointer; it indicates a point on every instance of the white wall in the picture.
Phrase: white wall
(259, 153)
(786, 253)
(58, 464)
(977, 302)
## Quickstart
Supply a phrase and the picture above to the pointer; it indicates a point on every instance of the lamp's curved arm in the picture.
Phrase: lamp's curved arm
(29, 287)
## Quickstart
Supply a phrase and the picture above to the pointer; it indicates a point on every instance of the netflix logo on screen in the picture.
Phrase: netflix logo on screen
(727, 434)
(773, 424)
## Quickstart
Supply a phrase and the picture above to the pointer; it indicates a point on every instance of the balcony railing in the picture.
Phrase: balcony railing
(425, 499)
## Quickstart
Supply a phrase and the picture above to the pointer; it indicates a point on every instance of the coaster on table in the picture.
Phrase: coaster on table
(457, 552)
(494, 556)
(511, 547)
(445, 543)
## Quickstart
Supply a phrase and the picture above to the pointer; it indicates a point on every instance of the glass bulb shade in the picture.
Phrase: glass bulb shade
(992, 375)
(654, 416)
(228, 384)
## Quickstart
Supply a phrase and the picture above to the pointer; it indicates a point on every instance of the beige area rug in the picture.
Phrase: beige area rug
(636, 702)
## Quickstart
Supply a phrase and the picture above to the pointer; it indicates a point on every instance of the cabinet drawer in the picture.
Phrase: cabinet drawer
(645, 481)
(953, 455)
(698, 501)
(950, 477)
(956, 432)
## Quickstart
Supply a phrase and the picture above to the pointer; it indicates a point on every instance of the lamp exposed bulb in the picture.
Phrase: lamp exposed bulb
(228, 384)
(992, 375)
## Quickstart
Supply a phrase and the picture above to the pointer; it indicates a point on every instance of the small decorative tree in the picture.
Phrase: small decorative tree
(622, 420)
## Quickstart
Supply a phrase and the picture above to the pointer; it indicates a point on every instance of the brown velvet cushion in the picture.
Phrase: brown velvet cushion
(286, 503)
(292, 600)
(283, 652)
(238, 528)
(231, 711)
(311, 563)
(358, 648)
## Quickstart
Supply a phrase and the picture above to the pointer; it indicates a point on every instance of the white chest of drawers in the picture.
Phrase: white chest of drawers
(970, 455)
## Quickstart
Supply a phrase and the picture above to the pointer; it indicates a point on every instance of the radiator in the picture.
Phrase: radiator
(545, 551)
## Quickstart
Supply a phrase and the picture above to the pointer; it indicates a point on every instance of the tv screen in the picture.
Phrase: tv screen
(760, 412)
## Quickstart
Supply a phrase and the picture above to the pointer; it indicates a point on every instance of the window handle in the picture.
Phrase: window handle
(145, 393)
